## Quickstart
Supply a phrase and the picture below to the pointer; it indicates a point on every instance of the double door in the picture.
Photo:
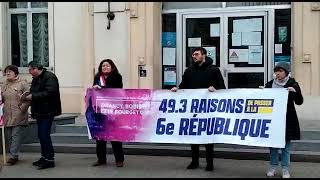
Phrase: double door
(237, 42)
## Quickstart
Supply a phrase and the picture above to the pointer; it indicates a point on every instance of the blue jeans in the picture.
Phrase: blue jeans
(44, 131)
(285, 156)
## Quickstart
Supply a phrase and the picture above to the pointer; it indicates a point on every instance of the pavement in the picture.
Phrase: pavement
(79, 166)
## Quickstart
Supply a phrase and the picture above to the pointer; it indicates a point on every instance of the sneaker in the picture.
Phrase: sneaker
(193, 165)
(271, 172)
(37, 163)
(46, 164)
(285, 173)
(12, 161)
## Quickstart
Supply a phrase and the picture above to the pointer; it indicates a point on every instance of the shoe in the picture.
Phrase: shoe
(99, 163)
(119, 164)
(12, 161)
(46, 164)
(271, 172)
(285, 173)
(193, 165)
(37, 163)
(209, 168)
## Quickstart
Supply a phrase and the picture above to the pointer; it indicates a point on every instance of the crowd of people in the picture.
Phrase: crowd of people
(44, 98)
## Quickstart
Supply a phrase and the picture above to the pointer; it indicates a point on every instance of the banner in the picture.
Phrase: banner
(254, 117)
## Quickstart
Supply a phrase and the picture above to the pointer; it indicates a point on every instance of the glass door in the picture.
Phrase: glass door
(202, 30)
(237, 42)
(245, 47)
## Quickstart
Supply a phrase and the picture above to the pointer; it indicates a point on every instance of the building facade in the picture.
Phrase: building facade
(151, 42)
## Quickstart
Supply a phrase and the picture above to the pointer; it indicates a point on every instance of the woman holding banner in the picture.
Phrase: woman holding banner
(108, 76)
(15, 110)
(283, 80)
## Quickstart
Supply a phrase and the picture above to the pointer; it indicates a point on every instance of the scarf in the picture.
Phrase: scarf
(279, 84)
(102, 81)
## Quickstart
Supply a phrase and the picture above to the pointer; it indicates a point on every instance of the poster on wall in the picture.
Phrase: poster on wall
(194, 42)
(169, 39)
(169, 56)
(278, 59)
(282, 34)
(211, 52)
(255, 55)
(250, 38)
(238, 55)
(247, 25)
(215, 30)
(278, 48)
(170, 76)
(236, 39)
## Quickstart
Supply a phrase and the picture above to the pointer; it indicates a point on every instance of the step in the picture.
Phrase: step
(181, 151)
(310, 134)
(71, 128)
(72, 138)
(78, 138)
(31, 131)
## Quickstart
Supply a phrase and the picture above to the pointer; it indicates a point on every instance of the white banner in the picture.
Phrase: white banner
(253, 117)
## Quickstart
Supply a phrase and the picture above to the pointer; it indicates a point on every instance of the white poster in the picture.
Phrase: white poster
(250, 38)
(236, 39)
(194, 42)
(247, 25)
(211, 52)
(255, 54)
(215, 30)
(278, 48)
(169, 56)
(170, 77)
(238, 55)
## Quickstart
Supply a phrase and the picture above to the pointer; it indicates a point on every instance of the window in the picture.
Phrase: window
(28, 33)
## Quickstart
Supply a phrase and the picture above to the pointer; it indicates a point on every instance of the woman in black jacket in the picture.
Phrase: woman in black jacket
(283, 80)
(108, 76)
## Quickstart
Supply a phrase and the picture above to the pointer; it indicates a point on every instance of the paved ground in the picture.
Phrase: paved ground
(78, 165)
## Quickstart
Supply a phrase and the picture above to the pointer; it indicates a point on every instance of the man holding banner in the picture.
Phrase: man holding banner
(202, 74)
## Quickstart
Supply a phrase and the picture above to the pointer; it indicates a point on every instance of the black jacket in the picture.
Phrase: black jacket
(45, 95)
(197, 77)
(292, 123)
(112, 81)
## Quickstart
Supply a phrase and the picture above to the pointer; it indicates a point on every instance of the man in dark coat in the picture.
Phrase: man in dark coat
(45, 105)
(202, 74)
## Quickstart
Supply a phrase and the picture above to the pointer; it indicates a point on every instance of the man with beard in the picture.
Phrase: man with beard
(201, 74)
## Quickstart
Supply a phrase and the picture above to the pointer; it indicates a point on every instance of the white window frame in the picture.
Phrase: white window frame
(29, 12)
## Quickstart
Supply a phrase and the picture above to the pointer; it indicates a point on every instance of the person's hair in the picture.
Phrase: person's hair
(201, 49)
(114, 69)
(34, 64)
(12, 68)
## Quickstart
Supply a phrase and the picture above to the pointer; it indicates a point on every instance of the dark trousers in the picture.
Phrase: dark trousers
(209, 153)
(44, 131)
(101, 150)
